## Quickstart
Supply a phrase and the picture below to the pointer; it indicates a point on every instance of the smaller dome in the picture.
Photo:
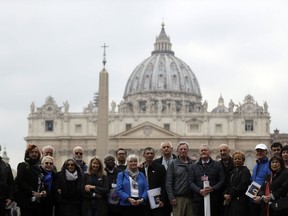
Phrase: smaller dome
(221, 107)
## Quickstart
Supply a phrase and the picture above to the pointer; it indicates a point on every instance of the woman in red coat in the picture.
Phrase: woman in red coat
(274, 188)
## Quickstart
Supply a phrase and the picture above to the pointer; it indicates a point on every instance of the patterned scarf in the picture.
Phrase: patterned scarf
(133, 175)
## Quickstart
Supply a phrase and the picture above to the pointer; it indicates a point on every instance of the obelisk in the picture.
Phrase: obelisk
(102, 117)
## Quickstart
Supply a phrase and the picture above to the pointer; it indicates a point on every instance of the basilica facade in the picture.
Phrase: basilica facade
(162, 101)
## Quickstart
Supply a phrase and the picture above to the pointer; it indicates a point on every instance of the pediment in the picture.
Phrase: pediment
(49, 108)
(194, 120)
(147, 129)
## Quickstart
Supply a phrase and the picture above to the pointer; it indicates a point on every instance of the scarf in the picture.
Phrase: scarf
(267, 193)
(71, 176)
(133, 175)
(47, 179)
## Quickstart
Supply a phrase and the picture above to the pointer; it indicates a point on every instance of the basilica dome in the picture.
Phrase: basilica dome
(164, 77)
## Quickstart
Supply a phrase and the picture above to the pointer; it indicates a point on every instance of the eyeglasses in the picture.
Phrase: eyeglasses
(275, 162)
(70, 164)
(109, 161)
(78, 153)
(48, 163)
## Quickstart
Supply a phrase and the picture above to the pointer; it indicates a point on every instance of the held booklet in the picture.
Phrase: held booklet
(154, 197)
(253, 189)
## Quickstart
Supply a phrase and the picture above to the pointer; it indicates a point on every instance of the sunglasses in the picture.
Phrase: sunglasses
(70, 164)
(48, 163)
(78, 153)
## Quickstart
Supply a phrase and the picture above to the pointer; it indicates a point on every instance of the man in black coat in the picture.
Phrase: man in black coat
(166, 149)
(206, 169)
(155, 174)
(112, 172)
(227, 164)
(6, 186)
(167, 156)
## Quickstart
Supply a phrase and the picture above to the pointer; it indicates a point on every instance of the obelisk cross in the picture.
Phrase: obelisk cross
(104, 54)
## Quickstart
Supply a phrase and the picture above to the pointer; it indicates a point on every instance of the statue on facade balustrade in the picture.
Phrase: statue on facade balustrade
(231, 106)
(205, 106)
(32, 107)
(265, 107)
(120, 106)
(66, 106)
(113, 105)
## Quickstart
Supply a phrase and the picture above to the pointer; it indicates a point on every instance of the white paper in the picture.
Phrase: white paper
(253, 189)
(207, 208)
(154, 197)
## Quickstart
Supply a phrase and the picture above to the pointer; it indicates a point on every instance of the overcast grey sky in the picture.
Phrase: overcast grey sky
(53, 48)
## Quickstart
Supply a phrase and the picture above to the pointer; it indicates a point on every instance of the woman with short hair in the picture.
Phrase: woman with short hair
(132, 189)
(234, 196)
(49, 177)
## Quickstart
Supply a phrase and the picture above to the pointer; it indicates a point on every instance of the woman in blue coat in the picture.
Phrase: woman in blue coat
(132, 189)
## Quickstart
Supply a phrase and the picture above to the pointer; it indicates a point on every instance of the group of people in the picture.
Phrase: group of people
(122, 185)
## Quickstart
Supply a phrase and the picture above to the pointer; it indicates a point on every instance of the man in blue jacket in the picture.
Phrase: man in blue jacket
(260, 172)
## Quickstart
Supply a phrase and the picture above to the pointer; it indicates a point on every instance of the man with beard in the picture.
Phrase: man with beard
(78, 157)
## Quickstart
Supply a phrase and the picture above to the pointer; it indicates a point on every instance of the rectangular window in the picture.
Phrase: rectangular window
(128, 126)
(49, 125)
(78, 128)
(194, 128)
(218, 128)
(249, 125)
(167, 127)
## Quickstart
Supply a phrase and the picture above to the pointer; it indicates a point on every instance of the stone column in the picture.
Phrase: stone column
(102, 117)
